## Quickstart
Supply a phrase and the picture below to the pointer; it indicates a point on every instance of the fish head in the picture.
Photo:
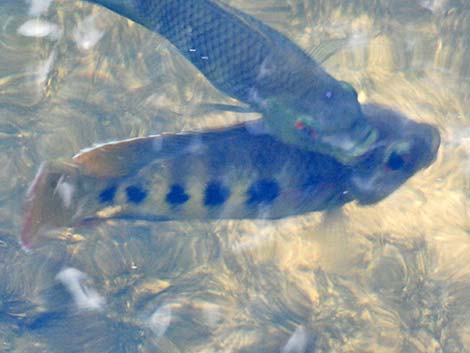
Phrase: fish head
(50, 202)
(402, 149)
(330, 122)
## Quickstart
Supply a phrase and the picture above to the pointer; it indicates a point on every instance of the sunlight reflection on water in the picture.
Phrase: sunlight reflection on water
(393, 277)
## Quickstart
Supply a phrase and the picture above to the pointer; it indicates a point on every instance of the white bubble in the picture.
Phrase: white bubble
(434, 6)
(85, 298)
(86, 34)
(39, 29)
(65, 191)
(42, 71)
(38, 7)
(160, 320)
(297, 343)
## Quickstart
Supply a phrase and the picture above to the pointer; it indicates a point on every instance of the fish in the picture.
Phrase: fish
(235, 172)
(246, 59)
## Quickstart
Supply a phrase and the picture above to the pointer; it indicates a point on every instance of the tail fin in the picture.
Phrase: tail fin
(49, 202)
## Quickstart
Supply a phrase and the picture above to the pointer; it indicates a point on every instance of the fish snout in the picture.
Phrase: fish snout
(348, 147)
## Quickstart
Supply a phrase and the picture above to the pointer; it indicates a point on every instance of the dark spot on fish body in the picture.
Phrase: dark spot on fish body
(177, 195)
(215, 194)
(135, 194)
(263, 191)
(108, 194)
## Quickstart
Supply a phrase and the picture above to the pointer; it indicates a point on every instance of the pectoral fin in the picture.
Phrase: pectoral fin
(208, 108)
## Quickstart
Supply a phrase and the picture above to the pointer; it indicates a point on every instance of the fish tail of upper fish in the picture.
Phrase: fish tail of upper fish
(301, 103)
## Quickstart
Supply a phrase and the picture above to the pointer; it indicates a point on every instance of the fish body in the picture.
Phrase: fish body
(237, 172)
(246, 59)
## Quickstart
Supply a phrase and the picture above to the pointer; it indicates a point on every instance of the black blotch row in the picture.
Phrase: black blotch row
(107, 195)
(263, 191)
(135, 194)
(177, 195)
(215, 194)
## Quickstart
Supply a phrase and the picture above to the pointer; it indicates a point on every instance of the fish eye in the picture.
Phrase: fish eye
(398, 156)
(396, 161)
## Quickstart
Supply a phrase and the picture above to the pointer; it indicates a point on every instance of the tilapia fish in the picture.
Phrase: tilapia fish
(300, 103)
(237, 172)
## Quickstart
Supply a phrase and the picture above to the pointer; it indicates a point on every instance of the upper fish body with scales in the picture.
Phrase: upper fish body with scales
(241, 56)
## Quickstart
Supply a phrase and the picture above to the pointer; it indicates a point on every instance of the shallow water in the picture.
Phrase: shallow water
(393, 277)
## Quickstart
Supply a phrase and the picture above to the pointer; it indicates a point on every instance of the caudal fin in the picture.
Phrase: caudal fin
(49, 202)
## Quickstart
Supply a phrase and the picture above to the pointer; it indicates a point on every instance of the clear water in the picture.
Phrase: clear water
(394, 277)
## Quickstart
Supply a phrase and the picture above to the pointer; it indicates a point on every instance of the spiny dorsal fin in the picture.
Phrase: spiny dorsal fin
(117, 159)
(127, 157)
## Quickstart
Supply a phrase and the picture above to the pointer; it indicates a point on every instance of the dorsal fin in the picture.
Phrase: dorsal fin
(127, 157)
(327, 49)
(117, 159)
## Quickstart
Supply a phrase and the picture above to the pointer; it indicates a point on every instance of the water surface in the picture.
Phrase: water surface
(393, 277)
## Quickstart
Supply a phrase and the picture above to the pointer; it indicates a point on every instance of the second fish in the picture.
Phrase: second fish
(301, 104)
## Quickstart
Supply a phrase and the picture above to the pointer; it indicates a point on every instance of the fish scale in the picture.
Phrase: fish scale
(192, 27)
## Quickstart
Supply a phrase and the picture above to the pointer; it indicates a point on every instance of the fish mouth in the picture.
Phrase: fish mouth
(345, 146)
(348, 149)
(396, 162)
